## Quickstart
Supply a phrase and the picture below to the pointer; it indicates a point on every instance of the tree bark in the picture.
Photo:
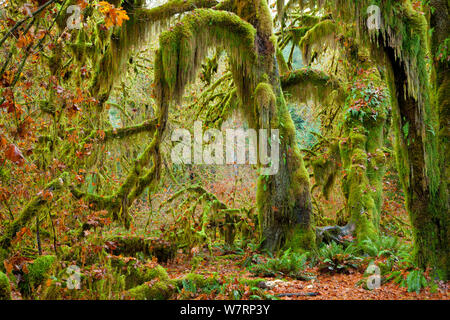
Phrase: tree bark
(283, 199)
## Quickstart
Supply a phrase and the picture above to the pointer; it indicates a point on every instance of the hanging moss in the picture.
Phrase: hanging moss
(185, 47)
(326, 167)
(307, 83)
(118, 42)
(323, 33)
(284, 68)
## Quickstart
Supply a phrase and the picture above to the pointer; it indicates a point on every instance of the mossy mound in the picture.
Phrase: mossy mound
(136, 273)
(153, 290)
(38, 271)
(5, 289)
(131, 245)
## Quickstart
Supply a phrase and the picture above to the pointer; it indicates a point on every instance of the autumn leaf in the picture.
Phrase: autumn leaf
(113, 16)
(13, 154)
(24, 40)
(3, 142)
(8, 266)
(82, 3)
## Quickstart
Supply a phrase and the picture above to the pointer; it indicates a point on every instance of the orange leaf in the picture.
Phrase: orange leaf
(13, 154)
(8, 266)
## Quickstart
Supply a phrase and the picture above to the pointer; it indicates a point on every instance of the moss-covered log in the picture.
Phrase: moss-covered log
(132, 245)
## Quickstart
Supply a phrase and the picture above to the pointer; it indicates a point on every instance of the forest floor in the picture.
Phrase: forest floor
(234, 264)
(323, 287)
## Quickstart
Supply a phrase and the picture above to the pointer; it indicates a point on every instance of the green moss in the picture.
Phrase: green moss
(130, 245)
(3, 256)
(291, 183)
(38, 271)
(322, 33)
(40, 268)
(5, 289)
(153, 290)
(157, 272)
(115, 45)
(251, 282)
(307, 83)
(325, 168)
(200, 281)
(282, 62)
(138, 275)
(187, 44)
(30, 210)
(303, 238)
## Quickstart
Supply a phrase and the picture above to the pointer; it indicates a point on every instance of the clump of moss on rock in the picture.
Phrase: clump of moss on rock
(154, 290)
(38, 271)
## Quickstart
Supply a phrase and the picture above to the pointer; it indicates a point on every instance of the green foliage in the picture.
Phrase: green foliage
(193, 283)
(304, 129)
(366, 102)
(38, 271)
(398, 265)
(334, 258)
(5, 290)
(415, 280)
(290, 264)
(387, 246)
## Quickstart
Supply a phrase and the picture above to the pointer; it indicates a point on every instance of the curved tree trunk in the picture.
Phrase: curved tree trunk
(427, 211)
(283, 199)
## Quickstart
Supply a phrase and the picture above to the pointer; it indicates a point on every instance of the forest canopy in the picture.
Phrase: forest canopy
(234, 149)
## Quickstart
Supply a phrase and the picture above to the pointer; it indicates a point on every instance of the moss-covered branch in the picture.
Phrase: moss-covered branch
(120, 133)
(308, 83)
(32, 209)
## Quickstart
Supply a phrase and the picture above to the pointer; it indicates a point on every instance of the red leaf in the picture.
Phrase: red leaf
(14, 154)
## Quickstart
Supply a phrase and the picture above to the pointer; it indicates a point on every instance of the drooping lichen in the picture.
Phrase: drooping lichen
(311, 84)
(316, 38)
(185, 47)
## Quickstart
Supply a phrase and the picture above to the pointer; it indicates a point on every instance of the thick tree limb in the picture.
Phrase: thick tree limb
(32, 209)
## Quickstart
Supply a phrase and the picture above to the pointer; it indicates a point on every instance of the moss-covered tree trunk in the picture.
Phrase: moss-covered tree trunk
(283, 199)
(418, 162)
(361, 149)
(420, 115)
(440, 23)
